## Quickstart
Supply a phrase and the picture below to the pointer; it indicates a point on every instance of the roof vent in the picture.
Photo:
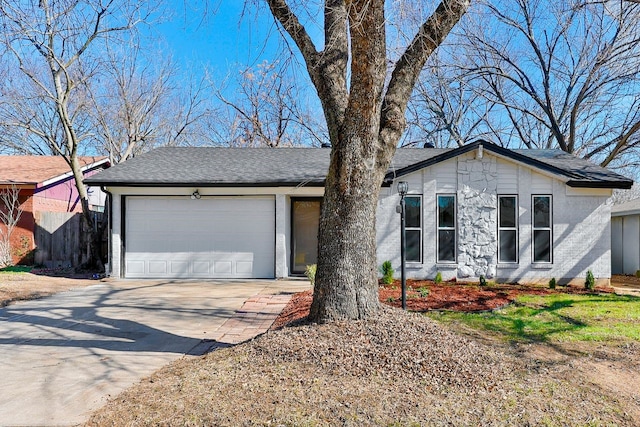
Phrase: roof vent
(428, 145)
(325, 145)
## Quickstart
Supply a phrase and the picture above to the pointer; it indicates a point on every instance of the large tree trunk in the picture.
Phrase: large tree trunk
(347, 287)
(365, 124)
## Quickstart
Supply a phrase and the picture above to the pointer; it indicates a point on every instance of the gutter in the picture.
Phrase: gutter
(207, 184)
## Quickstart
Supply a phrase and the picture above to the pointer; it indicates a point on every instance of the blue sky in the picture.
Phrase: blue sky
(218, 37)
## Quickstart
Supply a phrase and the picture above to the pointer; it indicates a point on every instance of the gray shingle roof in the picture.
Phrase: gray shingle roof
(576, 171)
(581, 173)
(216, 166)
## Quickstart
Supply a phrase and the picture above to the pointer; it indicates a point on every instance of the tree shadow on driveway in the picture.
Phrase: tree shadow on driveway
(114, 319)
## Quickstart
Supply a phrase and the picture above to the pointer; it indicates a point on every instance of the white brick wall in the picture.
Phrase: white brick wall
(581, 221)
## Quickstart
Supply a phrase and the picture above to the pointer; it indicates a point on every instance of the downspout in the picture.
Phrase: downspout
(109, 207)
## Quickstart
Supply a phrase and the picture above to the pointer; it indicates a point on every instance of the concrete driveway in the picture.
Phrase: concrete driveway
(62, 356)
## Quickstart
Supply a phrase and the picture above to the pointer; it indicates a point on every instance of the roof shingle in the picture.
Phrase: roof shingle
(36, 169)
(221, 166)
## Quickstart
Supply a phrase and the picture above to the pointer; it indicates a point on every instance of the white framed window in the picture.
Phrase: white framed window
(413, 228)
(542, 224)
(508, 229)
(446, 239)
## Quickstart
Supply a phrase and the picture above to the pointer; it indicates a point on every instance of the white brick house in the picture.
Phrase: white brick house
(478, 210)
(625, 237)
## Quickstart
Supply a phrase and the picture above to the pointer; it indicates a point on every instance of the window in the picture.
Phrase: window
(413, 228)
(446, 228)
(507, 229)
(542, 224)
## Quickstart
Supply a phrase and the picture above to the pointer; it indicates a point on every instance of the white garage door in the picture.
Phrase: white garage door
(211, 237)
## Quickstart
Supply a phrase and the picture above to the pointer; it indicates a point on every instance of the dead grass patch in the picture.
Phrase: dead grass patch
(28, 286)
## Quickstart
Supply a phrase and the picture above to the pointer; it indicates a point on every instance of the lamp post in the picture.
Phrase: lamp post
(403, 187)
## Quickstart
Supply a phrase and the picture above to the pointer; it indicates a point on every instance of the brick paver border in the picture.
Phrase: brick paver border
(254, 318)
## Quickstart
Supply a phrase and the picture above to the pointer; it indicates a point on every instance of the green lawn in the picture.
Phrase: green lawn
(606, 318)
(16, 269)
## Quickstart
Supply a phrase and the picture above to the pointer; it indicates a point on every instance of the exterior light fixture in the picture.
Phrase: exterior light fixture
(403, 188)
(195, 195)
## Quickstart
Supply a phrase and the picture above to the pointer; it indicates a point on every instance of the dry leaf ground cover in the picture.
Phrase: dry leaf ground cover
(399, 368)
(23, 285)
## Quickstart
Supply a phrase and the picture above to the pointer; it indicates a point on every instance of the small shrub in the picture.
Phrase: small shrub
(310, 272)
(438, 278)
(390, 299)
(552, 283)
(638, 273)
(590, 283)
(483, 281)
(387, 272)
(423, 291)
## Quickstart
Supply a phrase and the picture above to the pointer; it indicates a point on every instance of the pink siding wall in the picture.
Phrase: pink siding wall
(61, 197)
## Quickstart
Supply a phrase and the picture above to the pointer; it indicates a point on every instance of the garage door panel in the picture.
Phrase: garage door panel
(211, 237)
(157, 267)
(244, 267)
(201, 268)
(135, 267)
(222, 267)
(179, 269)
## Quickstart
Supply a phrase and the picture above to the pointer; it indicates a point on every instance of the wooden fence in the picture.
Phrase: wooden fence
(61, 239)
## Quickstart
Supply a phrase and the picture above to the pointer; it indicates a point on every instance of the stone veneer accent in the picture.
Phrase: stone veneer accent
(477, 216)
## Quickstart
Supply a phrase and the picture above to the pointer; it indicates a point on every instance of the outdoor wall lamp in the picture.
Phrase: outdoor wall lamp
(195, 195)
(403, 188)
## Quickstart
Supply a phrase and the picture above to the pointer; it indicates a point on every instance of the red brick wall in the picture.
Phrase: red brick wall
(22, 243)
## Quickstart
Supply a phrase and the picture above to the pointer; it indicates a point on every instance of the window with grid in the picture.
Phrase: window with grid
(446, 228)
(507, 229)
(542, 227)
(413, 228)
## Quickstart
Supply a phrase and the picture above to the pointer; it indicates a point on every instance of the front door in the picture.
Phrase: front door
(305, 221)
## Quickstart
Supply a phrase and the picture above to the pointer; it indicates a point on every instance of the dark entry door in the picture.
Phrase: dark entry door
(305, 221)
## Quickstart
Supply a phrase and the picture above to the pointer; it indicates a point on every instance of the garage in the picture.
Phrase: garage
(206, 237)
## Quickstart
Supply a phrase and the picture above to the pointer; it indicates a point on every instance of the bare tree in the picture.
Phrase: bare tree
(138, 104)
(364, 106)
(10, 213)
(566, 74)
(268, 109)
(53, 47)
(447, 107)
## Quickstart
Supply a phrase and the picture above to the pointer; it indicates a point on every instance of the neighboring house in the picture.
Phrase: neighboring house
(46, 185)
(513, 215)
(625, 237)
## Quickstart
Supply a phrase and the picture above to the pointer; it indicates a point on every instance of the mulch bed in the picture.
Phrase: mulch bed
(445, 296)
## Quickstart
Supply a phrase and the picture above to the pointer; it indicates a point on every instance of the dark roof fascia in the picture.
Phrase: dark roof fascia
(205, 184)
(622, 185)
(505, 152)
